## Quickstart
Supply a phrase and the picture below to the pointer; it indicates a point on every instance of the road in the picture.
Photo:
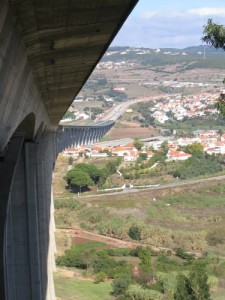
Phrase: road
(116, 111)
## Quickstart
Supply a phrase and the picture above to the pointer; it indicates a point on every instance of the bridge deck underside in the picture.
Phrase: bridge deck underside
(64, 41)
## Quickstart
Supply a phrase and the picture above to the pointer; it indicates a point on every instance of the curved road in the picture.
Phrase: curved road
(116, 111)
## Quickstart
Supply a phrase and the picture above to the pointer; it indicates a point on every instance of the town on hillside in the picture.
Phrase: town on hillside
(164, 108)
(211, 141)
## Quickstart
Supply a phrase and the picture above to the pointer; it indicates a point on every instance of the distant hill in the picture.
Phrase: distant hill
(193, 57)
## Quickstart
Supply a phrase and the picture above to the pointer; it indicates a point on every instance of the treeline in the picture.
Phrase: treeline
(94, 111)
(153, 275)
(146, 118)
(84, 175)
(199, 164)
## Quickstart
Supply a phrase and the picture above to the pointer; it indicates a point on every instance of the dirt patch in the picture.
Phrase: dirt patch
(81, 236)
(130, 124)
(132, 132)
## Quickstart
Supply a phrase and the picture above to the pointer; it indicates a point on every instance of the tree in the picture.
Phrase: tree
(183, 289)
(193, 287)
(91, 170)
(80, 179)
(135, 233)
(138, 144)
(143, 156)
(121, 284)
(194, 149)
(164, 148)
(214, 35)
(198, 282)
(145, 274)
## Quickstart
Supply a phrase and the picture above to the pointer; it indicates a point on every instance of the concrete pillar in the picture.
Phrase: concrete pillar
(8, 164)
(46, 156)
(30, 246)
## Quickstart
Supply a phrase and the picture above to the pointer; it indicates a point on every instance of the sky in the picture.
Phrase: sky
(169, 23)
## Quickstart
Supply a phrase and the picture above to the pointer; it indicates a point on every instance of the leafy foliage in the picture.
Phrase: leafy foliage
(86, 257)
(183, 288)
(214, 34)
(138, 144)
(120, 284)
(135, 233)
(194, 149)
(197, 165)
(84, 174)
(220, 103)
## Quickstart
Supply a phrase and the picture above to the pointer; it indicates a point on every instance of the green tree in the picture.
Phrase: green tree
(80, 179)
(194, 149)
(142, 156)
(135, 233)
(164, 148)
(198, 282)
(145, 270)
(214, 35)
(138, 144)
(91, 170)
(121, 284)
(183, 289)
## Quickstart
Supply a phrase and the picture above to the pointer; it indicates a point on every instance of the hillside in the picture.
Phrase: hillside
(125, 73)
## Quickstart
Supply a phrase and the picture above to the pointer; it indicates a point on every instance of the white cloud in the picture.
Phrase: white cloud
(207, 11)
(149, 14)
(177, 29)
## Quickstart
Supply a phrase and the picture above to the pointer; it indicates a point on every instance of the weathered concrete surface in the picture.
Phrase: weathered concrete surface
(19, 95)
(29, 247)
(47, 51)
(64, 40)
(72, 136)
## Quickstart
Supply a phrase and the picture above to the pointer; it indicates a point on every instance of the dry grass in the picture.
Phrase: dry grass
(131, 132)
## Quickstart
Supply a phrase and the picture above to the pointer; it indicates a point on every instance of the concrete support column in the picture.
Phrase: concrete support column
(46, 156)
(8, 164)
(32, 214)
(30, 246)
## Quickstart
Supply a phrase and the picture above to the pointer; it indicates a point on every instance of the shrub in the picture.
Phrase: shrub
(121, 284)
(100, 277)
(135, 233)
(182, 254)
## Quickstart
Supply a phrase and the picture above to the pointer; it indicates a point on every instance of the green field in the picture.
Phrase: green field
(73, 289)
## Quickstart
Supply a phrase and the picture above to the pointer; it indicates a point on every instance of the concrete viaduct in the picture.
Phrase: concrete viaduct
(48, 49)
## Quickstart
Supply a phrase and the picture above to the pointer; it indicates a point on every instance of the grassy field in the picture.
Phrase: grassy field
(191, 217)
(187, 217)
(73, 289)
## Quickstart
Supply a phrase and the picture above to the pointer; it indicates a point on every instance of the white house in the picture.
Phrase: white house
(178, 155)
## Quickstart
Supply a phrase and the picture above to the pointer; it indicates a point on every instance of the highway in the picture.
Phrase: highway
(116, 111)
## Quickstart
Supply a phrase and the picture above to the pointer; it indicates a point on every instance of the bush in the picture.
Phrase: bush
(137, 292)
(121, 284)
(182, 254)
(100, 277)
(135, 233)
